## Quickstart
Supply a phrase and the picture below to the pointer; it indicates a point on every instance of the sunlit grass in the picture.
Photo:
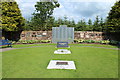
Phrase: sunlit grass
(90, 62)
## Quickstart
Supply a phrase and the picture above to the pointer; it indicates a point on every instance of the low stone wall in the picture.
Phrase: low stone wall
(47, 35)
(36, 35)
(88, 35)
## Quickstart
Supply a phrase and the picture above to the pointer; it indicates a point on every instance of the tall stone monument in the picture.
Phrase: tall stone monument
(62, 34)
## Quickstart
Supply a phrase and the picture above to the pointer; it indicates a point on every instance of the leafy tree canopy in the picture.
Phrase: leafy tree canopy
(113, 19)
(43, 12)
(12, 19)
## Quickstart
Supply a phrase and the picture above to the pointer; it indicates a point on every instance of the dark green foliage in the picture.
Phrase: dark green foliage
(101, 25)
(12, 20)
(81, 25)
(43, 14)
(90, 26)
(98, 24)
(58, 22)
(50, 23)
(112, 42)
(113, 19)
(65, 21)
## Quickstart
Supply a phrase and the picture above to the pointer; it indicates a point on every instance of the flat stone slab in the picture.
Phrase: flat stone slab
(62, 51)
(60, 64)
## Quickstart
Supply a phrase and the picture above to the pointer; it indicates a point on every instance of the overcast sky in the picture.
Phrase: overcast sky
(73, 9)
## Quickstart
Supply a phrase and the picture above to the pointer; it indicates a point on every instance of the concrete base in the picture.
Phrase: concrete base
(53, 65)
(62, 51)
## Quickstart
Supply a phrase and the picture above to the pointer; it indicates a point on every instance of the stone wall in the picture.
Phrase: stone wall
(36, 35)
(47, 35)
(88, 35)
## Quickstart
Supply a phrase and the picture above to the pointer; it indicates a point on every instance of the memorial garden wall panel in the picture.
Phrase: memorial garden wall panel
(47, 35)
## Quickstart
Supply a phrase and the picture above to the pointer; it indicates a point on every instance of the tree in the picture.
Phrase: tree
(113, 19)
(65, 20)
(96, 24)
(27, 25)
(50, 23)
(12, 20)
(112, 24)
(89, 22)
(55, 23)
(73, 23)
(90, 26)
(43, 12)
(101, 25)
(81, 25)
(78, 26)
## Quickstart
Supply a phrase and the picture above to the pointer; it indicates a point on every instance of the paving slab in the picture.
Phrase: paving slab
(61, 64)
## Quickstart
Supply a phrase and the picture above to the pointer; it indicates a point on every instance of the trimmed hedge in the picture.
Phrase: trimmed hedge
(101, 42)
(30, 41)
(112, 42)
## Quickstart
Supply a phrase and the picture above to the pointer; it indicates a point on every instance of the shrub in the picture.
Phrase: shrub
(75, 40)
(89, 41)
(33, 41)
(24, 42)
(80, 41)
(30, 41)
(45, 41)
(105, 42)
(114, 42)
(14, 42)
(97, 41)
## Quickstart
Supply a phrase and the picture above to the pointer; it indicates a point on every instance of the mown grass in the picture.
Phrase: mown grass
(51, 44)
(90, 62)
(0, 65)
(30, 45)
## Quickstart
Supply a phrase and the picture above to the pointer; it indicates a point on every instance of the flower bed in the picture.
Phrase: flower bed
(112, 42)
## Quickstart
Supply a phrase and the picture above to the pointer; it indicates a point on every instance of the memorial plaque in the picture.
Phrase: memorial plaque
(62, 51)
(61, 63)
(23, 35)
(87, 36)
(38, 35)
(28, 34)
(44, 34)
(62, 44)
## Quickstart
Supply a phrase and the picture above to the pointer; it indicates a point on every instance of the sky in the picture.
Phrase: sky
(73, 9)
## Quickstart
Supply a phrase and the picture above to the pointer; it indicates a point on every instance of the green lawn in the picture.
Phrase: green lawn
(0, 65)
(50, 44)
(90, 62)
